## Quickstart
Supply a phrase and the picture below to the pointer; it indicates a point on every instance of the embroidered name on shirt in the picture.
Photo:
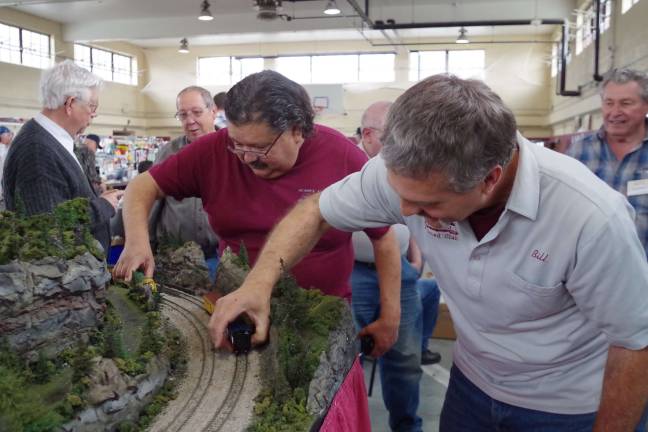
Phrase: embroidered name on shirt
(448, 232)
(539, 255)
(305, 192)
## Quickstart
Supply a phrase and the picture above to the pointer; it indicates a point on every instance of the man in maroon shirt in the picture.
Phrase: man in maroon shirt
(250, 175)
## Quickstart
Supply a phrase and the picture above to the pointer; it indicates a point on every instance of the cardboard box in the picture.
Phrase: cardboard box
(444, 328)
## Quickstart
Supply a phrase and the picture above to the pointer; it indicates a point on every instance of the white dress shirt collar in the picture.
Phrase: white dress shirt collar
(57, 132)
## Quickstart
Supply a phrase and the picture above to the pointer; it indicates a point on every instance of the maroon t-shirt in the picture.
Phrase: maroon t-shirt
(483, 220)
(244, 207)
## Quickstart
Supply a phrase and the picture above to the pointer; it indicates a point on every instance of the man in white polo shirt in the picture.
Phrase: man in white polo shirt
(538, 259)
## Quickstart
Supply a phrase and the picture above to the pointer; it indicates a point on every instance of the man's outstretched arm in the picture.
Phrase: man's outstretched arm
(291, 240)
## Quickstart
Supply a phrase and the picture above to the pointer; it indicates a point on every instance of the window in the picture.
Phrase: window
(627, 4)
(467, 64)
(606, 14)
(243, 67)
(585, 27)
(338, 68)
(108, 65)
(333, 69)
(376, 68)
(226, 70)
(426, 63)
(25, 47)
(463, 63)
(295, 68)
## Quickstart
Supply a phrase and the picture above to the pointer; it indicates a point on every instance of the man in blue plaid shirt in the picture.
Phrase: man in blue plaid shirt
(618, 152)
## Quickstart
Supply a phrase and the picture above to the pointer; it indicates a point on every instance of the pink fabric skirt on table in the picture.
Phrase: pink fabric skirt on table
(349, 411)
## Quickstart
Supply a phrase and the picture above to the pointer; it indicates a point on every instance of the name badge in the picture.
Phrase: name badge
(637, 187)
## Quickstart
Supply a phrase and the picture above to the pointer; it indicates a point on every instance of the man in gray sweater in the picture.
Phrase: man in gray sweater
(185, 220)
(41, 168)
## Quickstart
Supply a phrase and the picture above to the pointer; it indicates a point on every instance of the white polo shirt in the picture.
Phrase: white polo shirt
(539, 298)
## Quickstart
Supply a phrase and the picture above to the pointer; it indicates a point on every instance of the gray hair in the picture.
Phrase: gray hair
(65, 80)
(272, 98)
(623, 76)
(446, 124)
(204, 93)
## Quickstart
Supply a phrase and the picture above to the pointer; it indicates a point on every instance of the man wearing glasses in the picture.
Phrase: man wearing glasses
(41, 167)
(185, 220)
(249, 175)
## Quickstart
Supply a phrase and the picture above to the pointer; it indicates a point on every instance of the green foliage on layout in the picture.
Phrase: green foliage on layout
(142, 294)
(303, 320)
(43, 395)
(243, 258)
(62, 233)
(152, 340)
(112, 342)
(22, 408)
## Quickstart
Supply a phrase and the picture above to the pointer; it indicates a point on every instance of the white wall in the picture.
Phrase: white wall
(518, 72)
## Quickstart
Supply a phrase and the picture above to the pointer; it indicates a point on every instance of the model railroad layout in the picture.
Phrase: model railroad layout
(216, 394)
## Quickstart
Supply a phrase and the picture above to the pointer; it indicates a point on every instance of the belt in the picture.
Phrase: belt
(368, 265)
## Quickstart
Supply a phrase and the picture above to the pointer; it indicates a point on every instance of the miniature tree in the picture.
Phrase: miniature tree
(152, 340)
(113, 345)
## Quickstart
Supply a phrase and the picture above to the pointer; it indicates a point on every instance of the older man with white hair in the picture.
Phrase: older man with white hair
(42, 170)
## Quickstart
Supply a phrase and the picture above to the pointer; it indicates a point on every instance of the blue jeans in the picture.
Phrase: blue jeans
(400, 367)
(467, 408)
(429, 291)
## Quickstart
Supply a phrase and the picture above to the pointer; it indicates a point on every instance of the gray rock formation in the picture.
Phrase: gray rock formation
(229, 275)
(183, 268)
(334, 365)
(51, 303)
(106, 382)
(116, 397)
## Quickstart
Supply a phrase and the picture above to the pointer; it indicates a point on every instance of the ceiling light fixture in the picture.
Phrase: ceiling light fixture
(184, 46)
(205, 13)
(462, 39)
(331, 8)
(268, 10)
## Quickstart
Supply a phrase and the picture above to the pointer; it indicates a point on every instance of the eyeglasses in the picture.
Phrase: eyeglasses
(184, 115)
(240, 150)
(91, 106)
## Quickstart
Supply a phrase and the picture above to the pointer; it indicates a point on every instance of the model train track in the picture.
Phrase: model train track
(219, 419)
(203, 403)
(199, 386)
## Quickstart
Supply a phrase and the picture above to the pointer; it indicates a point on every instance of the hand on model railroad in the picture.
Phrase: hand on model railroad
(134, 257)
(228, 308)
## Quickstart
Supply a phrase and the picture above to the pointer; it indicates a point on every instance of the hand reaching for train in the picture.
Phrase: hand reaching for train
(228, 308)
(134, 257)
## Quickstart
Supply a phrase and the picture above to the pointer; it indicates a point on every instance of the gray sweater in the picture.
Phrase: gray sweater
(183, 220)
(41, 173)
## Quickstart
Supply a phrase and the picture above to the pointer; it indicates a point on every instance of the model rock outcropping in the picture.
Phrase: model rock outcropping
(63, 363)
(52, 279)
(183, 268)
